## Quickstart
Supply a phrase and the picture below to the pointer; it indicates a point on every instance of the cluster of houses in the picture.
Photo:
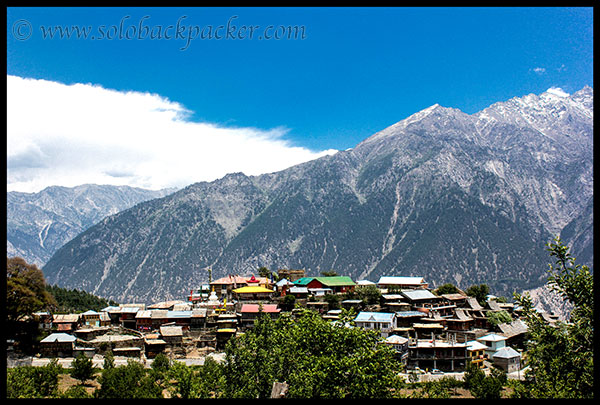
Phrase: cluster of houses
(428, 331)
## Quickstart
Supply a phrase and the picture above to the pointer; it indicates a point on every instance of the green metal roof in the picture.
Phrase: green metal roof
(336, 281)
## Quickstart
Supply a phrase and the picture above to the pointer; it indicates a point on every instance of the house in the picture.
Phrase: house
(384, 322)
(143, 320)
(507, 359)
(400, 283)
(90, 318)
(400, 345)
(476, 353)
(198, 319)
(44, 320)
(460, 322)
(172, 334)
(437, 353)
(291, 275)
(158, 317)
(494, 342)
(180, 318)
(57, 345)
(427, 302)
(283, 286)
(66, 322)
(252, 293)
(338, 284)
(224, 286)
(475, 311)
(249, 312)
(127, 318)
(458, 299)
(514, 332)
(153, 345)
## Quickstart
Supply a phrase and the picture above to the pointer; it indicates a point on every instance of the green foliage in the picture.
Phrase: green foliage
(447, 288)
(496, 318)
(25, 290)
(82, 368)
(33, 382)
(109, 360)
(161, 363)
(74, 301)
(369, 294)
(442, 388)
(330, 273)
(316, 358)
(333, 301)
(76, 391)
(480, 292)
(482, 386)
(130, 381)
(561, 356)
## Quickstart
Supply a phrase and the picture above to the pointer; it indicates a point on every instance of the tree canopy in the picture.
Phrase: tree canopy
(25, 290)
(561, 356)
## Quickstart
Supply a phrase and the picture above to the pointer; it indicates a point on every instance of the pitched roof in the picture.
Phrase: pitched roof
(336, 281)
(374, 317)
(506, 353)
(514, 328)
(473, 304)
(303, 281)
(418, 294)
(401, 280)
(252, 289)
(58, 337)
(254, 308)
(492, 337)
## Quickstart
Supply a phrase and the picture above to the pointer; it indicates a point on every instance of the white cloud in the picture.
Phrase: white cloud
(539, 70)
(68, 135)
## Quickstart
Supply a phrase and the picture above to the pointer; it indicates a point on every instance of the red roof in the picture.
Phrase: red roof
(253, 280)
(253, 308)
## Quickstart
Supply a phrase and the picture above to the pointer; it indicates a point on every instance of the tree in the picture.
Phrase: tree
(316, 358)
(480, 292)
(82, 368)
(447, 288)
(482, 386)
(25, 290)
(496, 318)
(33, 382)
(129, 381)
(330, 273)
(561, 356)
(369, 294)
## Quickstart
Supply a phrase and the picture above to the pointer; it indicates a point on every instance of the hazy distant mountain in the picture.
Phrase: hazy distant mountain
(441, 194)
(37, 224)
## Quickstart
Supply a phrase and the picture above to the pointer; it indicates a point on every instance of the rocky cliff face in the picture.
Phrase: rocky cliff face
(38, 224)
(441, 194)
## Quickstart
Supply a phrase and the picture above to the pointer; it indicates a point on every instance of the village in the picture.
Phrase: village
(431, 334)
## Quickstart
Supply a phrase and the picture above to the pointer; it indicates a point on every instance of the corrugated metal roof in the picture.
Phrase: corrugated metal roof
(374, 317)
(58, 337)
(418, 294)
(401, 280)
(254, 308)
(336, 281)
(506, 353)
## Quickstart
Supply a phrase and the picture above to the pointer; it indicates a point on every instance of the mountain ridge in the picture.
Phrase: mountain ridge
(393, 205)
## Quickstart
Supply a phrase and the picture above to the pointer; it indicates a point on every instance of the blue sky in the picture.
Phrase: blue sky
(355, 71)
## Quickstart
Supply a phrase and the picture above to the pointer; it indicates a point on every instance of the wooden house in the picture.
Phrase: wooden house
(57, 345)
(393, 283)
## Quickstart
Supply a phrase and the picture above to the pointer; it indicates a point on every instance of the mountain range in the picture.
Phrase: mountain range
(38, 224)
(453, 197)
